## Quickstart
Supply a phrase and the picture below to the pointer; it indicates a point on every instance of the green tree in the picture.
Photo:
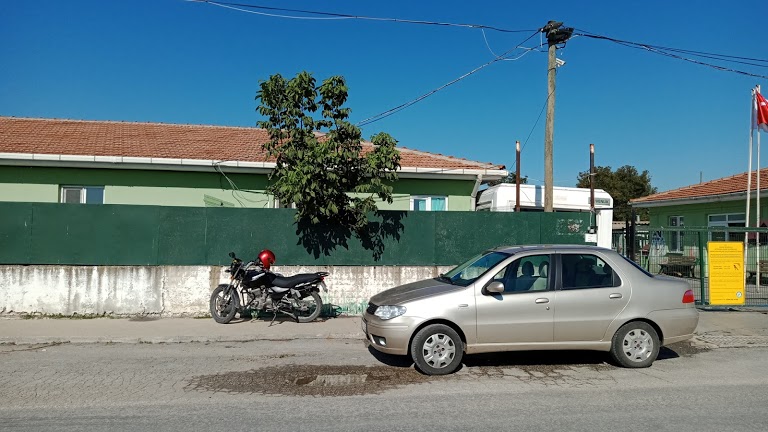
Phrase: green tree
(623, 185)
(320, 163)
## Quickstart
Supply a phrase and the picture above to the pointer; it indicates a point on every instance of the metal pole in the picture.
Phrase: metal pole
(701, 269)
(549, 131)
(749, 181)
(757, 211)
(517, 176)
(592, 178)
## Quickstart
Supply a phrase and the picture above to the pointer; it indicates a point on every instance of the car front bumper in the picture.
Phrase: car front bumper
(389, 336)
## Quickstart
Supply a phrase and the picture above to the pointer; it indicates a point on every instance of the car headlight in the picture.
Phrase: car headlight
(389, 312)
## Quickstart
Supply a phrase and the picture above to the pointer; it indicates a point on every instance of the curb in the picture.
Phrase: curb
(36, 340)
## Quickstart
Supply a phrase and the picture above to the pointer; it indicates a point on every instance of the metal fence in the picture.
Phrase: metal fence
(683, 253)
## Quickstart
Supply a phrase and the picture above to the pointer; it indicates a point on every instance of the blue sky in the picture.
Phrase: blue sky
(180, 62)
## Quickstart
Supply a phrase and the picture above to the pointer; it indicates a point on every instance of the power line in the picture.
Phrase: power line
(671, 52)
(332, 15)
(401, 107)
(586, 33)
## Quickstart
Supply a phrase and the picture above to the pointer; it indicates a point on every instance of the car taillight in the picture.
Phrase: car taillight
(688, 297)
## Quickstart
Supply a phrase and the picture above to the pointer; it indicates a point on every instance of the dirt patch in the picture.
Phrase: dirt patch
(686, 348)
(309, 380)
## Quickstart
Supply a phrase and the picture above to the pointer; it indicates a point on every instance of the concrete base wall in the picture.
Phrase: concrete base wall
(172, 290)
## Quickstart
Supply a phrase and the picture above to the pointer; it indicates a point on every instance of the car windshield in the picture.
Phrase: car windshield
(475, 267)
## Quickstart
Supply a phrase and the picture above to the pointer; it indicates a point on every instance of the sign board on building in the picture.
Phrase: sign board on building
(605, 202)
(726, 273)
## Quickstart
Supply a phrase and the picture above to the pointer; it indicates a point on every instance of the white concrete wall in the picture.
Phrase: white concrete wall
(171, 290)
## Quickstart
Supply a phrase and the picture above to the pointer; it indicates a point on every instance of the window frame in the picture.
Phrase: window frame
(677, 237)
(428, 199)
(515, 265)
(83, 193)
(739, 220)
(615, 279)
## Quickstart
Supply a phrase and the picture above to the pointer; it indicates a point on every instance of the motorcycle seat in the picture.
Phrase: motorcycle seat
(292, 281)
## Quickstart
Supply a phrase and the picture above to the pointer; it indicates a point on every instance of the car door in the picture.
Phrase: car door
(589, 296)
(523, 313)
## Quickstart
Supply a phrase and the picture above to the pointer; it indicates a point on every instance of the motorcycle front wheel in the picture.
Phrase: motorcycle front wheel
(308, 308)
(224, 304)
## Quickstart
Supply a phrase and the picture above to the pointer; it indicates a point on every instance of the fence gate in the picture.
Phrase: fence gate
(682, 253)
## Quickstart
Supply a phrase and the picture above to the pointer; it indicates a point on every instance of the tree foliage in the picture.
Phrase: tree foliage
(623, 185)
(321, 166)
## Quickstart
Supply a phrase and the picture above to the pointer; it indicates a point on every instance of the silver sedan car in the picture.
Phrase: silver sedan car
(533, 298)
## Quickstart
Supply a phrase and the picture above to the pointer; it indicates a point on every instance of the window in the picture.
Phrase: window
(82, 194)
(530, 273)
(676, 238)
(429, 203)
(475, 267)
(279, 204)
(725, 221)
(587, 271)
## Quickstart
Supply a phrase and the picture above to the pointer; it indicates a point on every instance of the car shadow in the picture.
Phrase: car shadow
(389, 359)
(522, 358)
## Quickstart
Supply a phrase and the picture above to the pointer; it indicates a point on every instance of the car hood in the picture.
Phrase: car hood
(412, 291)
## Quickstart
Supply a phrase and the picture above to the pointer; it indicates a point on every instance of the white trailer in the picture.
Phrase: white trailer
(501, 198)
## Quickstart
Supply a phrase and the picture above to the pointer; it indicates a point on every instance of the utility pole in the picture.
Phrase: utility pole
(556, 34)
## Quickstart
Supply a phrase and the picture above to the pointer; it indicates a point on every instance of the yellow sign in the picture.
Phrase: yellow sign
(726, 273)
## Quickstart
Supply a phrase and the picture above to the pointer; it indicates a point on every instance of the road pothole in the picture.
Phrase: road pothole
(310, 380)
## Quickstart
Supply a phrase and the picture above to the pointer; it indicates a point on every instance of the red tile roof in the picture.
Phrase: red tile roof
(728, 185)
(175, 141)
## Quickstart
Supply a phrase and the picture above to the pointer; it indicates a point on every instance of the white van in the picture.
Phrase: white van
(501, 198)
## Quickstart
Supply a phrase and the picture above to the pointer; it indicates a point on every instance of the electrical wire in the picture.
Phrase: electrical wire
(684, 51)
(401, 107)
(670, 52)
(331, 15)
(236, 189)
(527, 50)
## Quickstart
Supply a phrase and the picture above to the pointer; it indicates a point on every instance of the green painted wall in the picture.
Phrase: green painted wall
(183, 188)
(696, 215)
(21, 192)
(50, 233)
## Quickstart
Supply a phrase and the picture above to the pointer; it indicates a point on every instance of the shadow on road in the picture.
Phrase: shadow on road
(535, 358)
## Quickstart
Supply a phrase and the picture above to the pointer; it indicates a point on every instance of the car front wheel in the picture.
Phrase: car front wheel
(635, 345)
(437, 350)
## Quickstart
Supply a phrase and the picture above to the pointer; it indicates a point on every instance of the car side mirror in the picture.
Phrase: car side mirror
(495, 287)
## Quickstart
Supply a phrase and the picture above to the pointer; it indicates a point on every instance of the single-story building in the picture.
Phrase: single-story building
(717, 204)
(112, 162)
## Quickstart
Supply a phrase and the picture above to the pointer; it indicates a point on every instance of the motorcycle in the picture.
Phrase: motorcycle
(252, 287)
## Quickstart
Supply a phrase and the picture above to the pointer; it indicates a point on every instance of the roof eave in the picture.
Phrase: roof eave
(166, 164)
(734, 196)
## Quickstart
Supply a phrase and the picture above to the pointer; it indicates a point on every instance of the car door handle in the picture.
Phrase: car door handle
(542, 300)
(615, 296)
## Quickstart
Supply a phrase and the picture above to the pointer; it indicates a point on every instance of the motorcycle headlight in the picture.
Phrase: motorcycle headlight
(389, 312)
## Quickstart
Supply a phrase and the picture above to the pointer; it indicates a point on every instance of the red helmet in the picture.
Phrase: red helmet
(267, 258)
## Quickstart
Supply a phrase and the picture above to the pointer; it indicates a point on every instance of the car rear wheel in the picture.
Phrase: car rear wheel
(635, 345)
(437, 350)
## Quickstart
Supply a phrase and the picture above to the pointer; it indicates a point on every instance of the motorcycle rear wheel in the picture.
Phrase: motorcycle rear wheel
(224, 306)
(310, 309)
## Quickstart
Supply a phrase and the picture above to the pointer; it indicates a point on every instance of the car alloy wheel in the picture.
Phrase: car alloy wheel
(437, 349)
(635, 345)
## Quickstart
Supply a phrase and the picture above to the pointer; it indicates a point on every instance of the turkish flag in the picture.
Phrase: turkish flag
(762, 112)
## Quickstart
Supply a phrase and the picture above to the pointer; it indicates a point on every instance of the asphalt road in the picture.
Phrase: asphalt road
(338, 385)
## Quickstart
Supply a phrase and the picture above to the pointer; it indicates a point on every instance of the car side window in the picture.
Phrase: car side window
(530, 273)
(587, 271)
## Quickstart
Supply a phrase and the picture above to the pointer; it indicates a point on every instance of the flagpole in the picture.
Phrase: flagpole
(757, 212)
(749, 174)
